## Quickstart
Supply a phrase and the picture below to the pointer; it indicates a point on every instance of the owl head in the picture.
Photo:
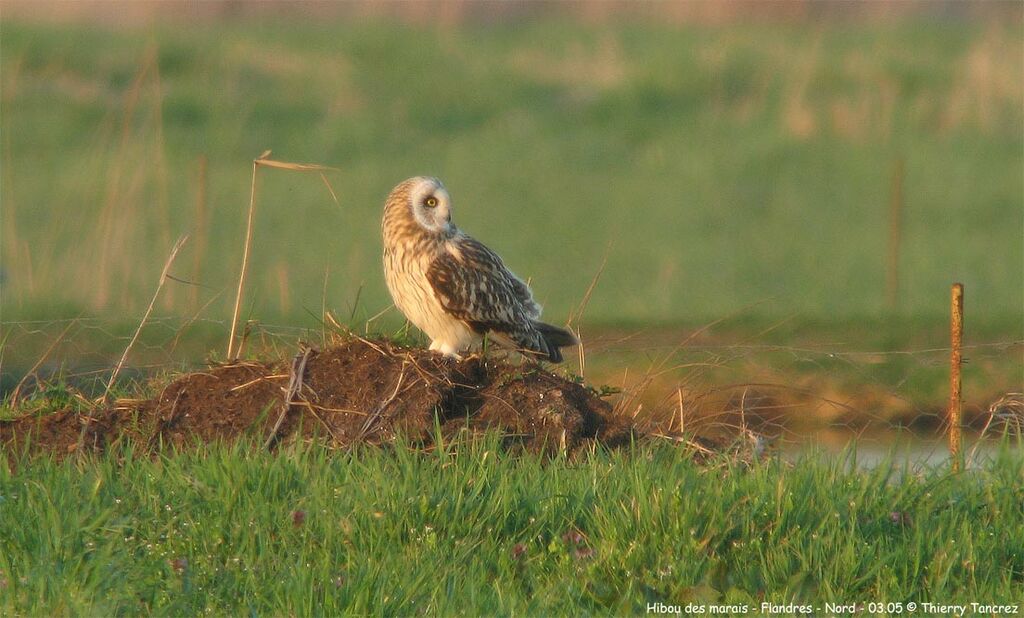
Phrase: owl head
(427, 201)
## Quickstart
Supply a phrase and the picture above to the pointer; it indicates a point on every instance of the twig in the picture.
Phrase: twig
(372, 419)
(294, 386)
(258, 380)
(145, 316)
(161, 425)
(312, 410)
(313, 406)
(371, 344)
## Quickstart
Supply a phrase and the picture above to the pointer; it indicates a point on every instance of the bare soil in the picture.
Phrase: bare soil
(357, 392)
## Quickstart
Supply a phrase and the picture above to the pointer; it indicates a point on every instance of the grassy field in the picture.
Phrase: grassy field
(467, 529)
(735, 179)
(735, 169)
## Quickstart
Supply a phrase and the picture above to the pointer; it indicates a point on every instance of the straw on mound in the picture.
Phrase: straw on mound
(358, 392)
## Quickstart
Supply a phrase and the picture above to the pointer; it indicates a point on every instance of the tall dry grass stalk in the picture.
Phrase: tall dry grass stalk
(145, 317)
(16, 393)
(160, 162)
(245, 260)
(9, 237)
(892, 288)
(111, 221)
(283, 288)
(323, 308)
(577, 314)
(201, 230)
(1008, 411)
(679, 401)
(258, 162)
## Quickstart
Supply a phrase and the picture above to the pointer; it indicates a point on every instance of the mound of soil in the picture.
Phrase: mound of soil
(358, 392)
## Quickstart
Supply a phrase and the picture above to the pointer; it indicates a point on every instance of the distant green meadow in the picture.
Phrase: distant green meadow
(742, 169)
(470, 530)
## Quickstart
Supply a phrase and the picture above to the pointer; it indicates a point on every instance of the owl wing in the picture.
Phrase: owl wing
(474, 285)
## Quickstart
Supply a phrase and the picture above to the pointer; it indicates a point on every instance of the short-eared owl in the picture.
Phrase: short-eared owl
(452, 287)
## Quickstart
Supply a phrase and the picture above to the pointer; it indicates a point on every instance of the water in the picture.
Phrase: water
(916, 449)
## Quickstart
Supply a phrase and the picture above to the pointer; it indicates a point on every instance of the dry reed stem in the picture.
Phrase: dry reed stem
(323, 308)
(258, 380)
(283, 288)
(330, 189)
(658, 367)
(161, 158)
(10, 232)
(108, 218)
(679, 397)
(201, 228)
(245, 263)
(333, 321)
(892, 288)
(295, 167)
(263, 161)
(145, 317)
(577, 315)
(1009, 409)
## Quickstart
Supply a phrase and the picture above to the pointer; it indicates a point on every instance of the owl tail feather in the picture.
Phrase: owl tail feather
(555, 337)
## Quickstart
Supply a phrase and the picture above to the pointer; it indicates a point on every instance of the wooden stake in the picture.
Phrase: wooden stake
(956, 332)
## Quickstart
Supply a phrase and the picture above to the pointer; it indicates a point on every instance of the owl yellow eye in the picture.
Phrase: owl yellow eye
(431, 202)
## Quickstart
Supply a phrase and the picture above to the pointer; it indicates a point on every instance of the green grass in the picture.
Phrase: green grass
(467, 529)
(741, 168)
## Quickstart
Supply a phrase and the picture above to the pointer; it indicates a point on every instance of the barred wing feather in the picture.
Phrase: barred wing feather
(474, 285)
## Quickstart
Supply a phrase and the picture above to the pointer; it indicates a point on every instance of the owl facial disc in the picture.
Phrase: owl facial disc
(431, 205)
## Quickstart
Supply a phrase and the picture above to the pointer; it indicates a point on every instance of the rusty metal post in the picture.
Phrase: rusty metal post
(956, 332)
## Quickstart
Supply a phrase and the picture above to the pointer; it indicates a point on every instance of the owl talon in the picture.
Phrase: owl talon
(446, 350)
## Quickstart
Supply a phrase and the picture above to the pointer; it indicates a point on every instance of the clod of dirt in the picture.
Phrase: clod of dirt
(358, 392)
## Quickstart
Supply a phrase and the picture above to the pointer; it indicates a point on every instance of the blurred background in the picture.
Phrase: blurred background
(772, 198)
